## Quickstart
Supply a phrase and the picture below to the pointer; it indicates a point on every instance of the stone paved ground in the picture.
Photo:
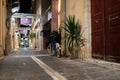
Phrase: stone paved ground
(76, 70)
(20, 66)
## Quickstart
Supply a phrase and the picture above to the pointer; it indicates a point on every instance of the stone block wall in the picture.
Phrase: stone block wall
(2, 26)
(1, 51)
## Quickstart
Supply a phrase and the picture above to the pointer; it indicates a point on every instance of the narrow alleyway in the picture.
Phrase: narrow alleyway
(19, 66)
(26, 64)
(33, 26)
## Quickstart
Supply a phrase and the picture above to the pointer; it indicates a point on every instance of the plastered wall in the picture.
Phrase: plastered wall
(81, 10)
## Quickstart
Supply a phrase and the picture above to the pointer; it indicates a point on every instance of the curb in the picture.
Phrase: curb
(104, 63)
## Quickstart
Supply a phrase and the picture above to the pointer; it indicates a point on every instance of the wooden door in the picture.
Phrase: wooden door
(112, 26)
(98, 46)
(106, 29)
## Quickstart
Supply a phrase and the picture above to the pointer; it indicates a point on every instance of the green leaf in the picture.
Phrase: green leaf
(74, 38)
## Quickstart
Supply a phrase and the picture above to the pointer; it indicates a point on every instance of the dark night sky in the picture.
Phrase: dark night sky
(25, 6)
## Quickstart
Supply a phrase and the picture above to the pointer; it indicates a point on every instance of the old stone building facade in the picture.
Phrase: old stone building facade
(2, 26)
(99, 20)
(45, 22)
(60, 9)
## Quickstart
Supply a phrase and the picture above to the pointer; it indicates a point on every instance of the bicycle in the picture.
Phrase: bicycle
(55, 49)
(58, 50)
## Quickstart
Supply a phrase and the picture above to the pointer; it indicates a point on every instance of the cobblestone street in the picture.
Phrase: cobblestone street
(21, 66)
(59, 39)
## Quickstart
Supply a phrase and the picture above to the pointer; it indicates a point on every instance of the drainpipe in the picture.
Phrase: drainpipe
(64, 53)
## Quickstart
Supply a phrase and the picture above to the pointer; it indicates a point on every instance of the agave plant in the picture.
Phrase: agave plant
(74, 38)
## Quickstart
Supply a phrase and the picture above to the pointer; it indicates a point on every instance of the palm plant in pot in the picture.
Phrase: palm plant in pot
(55, 36)
(74, 36)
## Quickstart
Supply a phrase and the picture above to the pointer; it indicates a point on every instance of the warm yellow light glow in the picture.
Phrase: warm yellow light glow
(59, 5)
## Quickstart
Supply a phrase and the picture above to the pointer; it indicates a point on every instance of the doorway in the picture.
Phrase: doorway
(106, 29)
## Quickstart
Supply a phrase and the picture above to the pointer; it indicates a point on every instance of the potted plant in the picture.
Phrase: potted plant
(74, 36)
(55, 36)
